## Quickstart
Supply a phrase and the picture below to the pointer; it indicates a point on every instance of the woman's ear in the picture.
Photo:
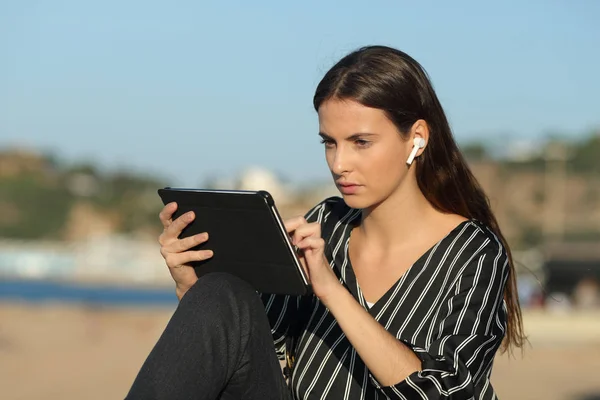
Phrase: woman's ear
(420, 129)
(420, 136)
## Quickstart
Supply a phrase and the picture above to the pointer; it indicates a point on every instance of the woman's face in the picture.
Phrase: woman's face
(365, 152)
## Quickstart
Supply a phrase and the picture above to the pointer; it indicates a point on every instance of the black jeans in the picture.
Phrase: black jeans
(217, 345)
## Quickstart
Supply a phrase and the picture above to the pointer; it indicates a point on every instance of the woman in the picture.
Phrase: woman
(414, 285)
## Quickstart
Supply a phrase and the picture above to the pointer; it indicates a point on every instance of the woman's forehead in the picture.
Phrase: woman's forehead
(347, 117)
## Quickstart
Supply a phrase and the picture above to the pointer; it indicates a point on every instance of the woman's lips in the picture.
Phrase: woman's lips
(348, 188)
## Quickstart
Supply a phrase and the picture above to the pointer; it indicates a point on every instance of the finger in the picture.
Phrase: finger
(166, 214)
(179, 246)
(293, 223)
(174, 260)
(312, 229)
(311, 243)
(309, 229)
(174, 230)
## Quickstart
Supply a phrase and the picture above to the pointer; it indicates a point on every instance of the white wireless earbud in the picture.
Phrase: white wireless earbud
(419, 144)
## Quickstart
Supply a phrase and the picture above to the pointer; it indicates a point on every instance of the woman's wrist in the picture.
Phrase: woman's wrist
(181, 289)
(336, 291)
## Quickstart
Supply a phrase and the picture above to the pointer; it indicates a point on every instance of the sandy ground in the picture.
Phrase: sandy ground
(72, 352)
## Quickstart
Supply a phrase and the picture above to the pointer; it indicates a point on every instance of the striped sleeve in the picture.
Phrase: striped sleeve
(281, 309)
(467, 337)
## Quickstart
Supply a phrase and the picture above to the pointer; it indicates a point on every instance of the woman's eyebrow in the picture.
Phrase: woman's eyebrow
(351, 137)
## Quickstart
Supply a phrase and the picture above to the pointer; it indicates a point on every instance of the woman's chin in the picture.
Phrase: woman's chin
(354, 201)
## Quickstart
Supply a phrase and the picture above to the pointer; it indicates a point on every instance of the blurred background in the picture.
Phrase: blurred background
(102, 103)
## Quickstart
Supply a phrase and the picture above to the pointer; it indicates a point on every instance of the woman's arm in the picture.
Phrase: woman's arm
(388, 359)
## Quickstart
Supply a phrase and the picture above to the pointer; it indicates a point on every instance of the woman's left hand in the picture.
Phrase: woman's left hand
(307, 237)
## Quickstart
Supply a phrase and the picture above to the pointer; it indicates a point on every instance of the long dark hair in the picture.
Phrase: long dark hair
(390, 80)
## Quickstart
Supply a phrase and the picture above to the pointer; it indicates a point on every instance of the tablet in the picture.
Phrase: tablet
(245, 233)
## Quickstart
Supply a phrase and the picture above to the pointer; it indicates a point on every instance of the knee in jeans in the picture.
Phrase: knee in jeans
(223, 286)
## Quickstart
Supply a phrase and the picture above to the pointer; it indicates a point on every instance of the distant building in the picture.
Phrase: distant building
(573, 270)
(256, 178)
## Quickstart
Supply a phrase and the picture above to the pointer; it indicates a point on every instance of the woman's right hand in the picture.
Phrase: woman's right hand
(176, 252)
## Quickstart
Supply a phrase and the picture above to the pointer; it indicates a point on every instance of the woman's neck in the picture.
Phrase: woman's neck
(400, 218)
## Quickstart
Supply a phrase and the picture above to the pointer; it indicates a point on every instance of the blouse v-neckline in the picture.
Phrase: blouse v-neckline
(350, 277)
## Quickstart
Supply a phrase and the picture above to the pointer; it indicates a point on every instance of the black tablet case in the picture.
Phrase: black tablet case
(244, 236)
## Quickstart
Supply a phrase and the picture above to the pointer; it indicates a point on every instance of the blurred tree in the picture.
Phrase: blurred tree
(135, 198)
(474, 151)
(37, 200)
(38, 207)
(585, 155)
(82, 168)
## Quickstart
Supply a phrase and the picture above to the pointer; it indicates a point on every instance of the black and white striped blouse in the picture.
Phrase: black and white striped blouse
(448, 307)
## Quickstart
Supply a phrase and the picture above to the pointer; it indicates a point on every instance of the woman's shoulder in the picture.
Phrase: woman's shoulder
(487, 237)
(471, 256)
(482, 246)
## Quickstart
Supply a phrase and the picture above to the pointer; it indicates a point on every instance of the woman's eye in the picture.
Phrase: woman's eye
(361, 142)
(327, 142)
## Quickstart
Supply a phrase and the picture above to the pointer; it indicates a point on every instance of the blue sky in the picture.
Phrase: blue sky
(189, 89)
